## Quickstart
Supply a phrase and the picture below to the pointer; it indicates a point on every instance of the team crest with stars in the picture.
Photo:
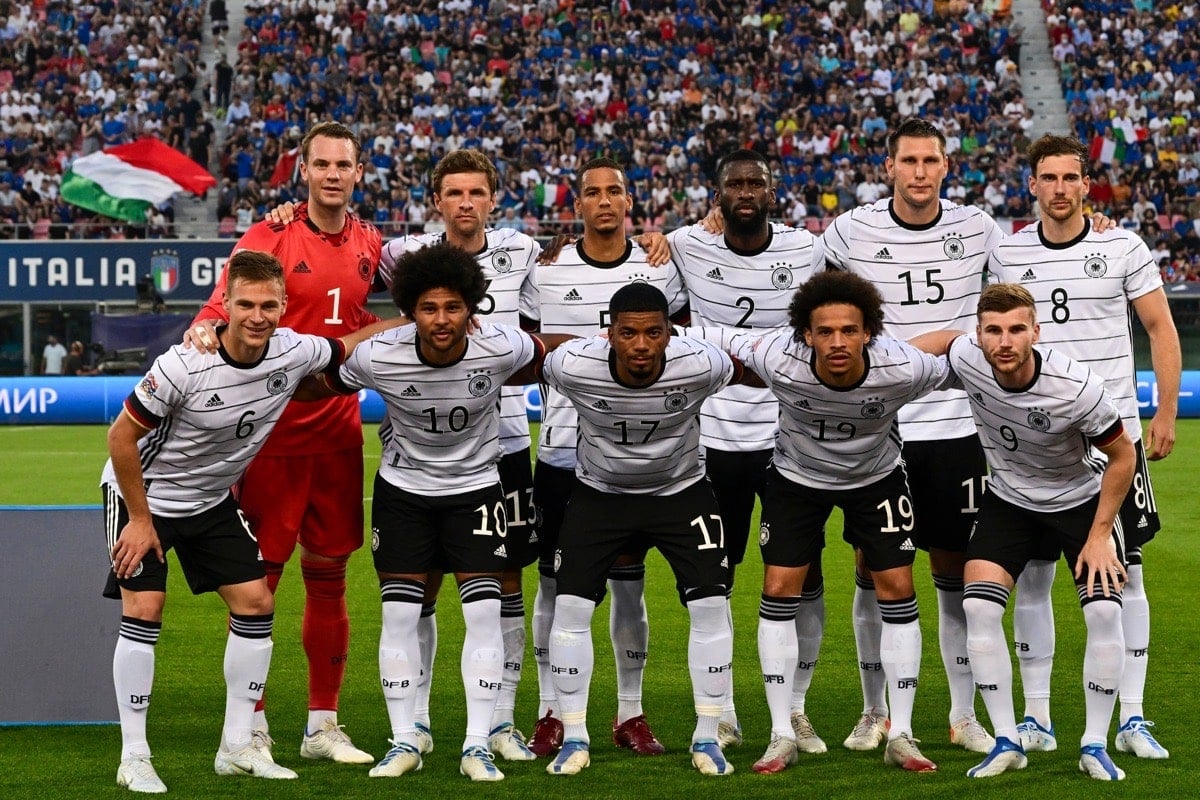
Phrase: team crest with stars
(1038, 420)
(1095, 266)
(675, 401)
(953, 247)
(479, 385)
(873, 408)
(764, 533)
(781, 276)
(364, 268)
(501, 262)
(277, 383)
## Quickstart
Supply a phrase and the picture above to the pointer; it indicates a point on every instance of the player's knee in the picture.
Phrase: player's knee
(145, 606)
(708, 615)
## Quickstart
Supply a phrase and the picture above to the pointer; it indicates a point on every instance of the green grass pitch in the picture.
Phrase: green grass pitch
(61, 465)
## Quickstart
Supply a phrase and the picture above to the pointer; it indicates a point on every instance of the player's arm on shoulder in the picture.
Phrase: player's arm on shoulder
(714, 220)
(138, 537)
(1098, 558)
(657, 247)
(550, 252)
(1102, 222)
(936, 343)
(744, 375)
(1167, 360)
(283, 213)
(543, 345)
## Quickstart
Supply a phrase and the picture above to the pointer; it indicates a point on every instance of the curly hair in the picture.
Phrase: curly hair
(834, 287)
(442, 266)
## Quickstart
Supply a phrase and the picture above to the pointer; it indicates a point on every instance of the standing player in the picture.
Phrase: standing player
(745, 278)
(839, 386)
(1040, 415)
(329, 258)
(438, 498)
(571, 295)
(184, 438)
(639, 482)
(926, 256)
(464, 185)
(1084, 283)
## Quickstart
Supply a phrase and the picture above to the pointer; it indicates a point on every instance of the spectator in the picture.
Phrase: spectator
(53, 356)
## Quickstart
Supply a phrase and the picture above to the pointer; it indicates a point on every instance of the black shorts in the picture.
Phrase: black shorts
(736, 478)
(599, 527)
(551, 491)
(215, 548)
(413, 533)
(1011, 536)
(946, 480)
(516, 477)
(878, 521)
(1139, 512)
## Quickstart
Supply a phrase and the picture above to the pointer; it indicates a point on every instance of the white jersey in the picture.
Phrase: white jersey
(507, 260)
(643, 440)
(571, 296)
(210, 415)
(1083, 289)
(736, 289)
(1038, 440)
(930, 277)
(834, 438)
(442, 436)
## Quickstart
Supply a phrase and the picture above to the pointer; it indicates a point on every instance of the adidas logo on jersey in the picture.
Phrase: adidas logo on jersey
(500, 551)
(572, 296)
(301, 269)
(802, 403)
(601, 405)
(1143, 522)
(410, 391)
(883, 255)
(215, 401)
(715, 274)
(978, 398)
(907, 545)
(1029, 276)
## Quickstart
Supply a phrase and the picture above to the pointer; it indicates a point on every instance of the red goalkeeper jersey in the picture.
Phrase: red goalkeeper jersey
(328, 278)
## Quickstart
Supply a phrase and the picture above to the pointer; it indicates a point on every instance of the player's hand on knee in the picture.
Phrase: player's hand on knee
(136, 540)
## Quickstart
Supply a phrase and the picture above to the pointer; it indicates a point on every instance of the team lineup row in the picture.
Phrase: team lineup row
(800, 331)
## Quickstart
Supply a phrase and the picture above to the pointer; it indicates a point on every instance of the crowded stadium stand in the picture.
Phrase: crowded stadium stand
(542, 86)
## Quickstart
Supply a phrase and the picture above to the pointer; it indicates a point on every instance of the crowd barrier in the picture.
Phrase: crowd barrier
(58, 633)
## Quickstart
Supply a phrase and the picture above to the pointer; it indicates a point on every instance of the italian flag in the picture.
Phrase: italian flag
(1107, 150)
(125, 181)
(551, 194)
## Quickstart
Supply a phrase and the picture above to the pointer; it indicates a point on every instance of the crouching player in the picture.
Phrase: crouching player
(1044, 420)
(185, 436)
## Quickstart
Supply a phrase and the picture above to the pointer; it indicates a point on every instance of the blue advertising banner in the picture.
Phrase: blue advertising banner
(71, 270)
(98, 400)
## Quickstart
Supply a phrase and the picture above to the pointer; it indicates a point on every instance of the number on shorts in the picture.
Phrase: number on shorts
(904, 508)
(492, 520)
(709, 544)
(973, 494)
